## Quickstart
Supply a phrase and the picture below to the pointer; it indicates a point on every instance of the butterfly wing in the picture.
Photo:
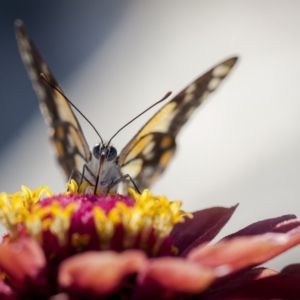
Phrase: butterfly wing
(146, 156)
(65, 132)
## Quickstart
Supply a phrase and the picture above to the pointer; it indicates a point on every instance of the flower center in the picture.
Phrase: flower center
(73, 222)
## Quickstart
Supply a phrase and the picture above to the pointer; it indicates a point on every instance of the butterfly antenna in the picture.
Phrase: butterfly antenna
(69, 101)
(161, 100)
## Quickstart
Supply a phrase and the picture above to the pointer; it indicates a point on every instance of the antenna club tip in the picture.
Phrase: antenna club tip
(166, 96)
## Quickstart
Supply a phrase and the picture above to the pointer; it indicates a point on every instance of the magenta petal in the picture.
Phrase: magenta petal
(264, 226)
(226, 285)
(273, 287)
(287, 226)
(205, 225)
(291, 270)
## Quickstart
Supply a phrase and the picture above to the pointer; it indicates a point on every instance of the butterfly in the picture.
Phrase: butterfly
(146, 155)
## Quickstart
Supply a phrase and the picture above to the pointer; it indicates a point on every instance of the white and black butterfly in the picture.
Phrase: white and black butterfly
(146, 155)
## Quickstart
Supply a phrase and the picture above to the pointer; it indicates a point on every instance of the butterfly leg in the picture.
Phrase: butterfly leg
(114, 182)
(86, 168)
(75, 175)
(78, 176)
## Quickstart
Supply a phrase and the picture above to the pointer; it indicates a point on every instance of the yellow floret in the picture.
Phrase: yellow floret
(14, 208)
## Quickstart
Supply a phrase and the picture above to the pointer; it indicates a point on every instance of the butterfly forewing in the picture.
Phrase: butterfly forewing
(147, 160)
(65, 132)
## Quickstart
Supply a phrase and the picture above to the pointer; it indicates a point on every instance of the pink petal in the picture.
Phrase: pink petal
(60, 296)
(205, 225)
(164, 277)
(228, 256)
(24, 263)
(264, 226)
(6, 292)
(99, 273)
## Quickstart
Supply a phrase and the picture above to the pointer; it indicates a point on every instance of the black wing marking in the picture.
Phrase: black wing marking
(165, 125)
(66, 134)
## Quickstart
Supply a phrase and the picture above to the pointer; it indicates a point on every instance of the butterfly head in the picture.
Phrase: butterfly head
(103, 166)
(106, 151)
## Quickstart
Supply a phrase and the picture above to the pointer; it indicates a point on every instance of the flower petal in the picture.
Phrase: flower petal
(272, 287)
(240, 279)
(291, 270)
(287, 226)
(164, 277)
(60, 296)
(261, 227)
(204, 226)
(6, 292)
(23, 261)
(99, 273)
(228, 256)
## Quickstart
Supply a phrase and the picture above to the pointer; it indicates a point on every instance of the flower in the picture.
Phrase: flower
(79, 245)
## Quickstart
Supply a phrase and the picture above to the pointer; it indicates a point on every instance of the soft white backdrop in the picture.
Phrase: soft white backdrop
(242, 146)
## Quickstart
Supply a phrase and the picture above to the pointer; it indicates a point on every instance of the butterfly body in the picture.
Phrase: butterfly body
(146, 155)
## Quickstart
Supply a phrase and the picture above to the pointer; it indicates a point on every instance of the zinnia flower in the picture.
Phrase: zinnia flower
(78, 245)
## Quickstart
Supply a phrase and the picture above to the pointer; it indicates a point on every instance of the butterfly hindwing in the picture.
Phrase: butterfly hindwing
(65, 132)
(165, 125)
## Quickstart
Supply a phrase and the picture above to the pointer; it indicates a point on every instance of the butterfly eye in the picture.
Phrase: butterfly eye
(96, 151)
(112, 154)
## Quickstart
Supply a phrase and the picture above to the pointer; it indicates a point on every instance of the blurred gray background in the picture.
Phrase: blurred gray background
(115, 58)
